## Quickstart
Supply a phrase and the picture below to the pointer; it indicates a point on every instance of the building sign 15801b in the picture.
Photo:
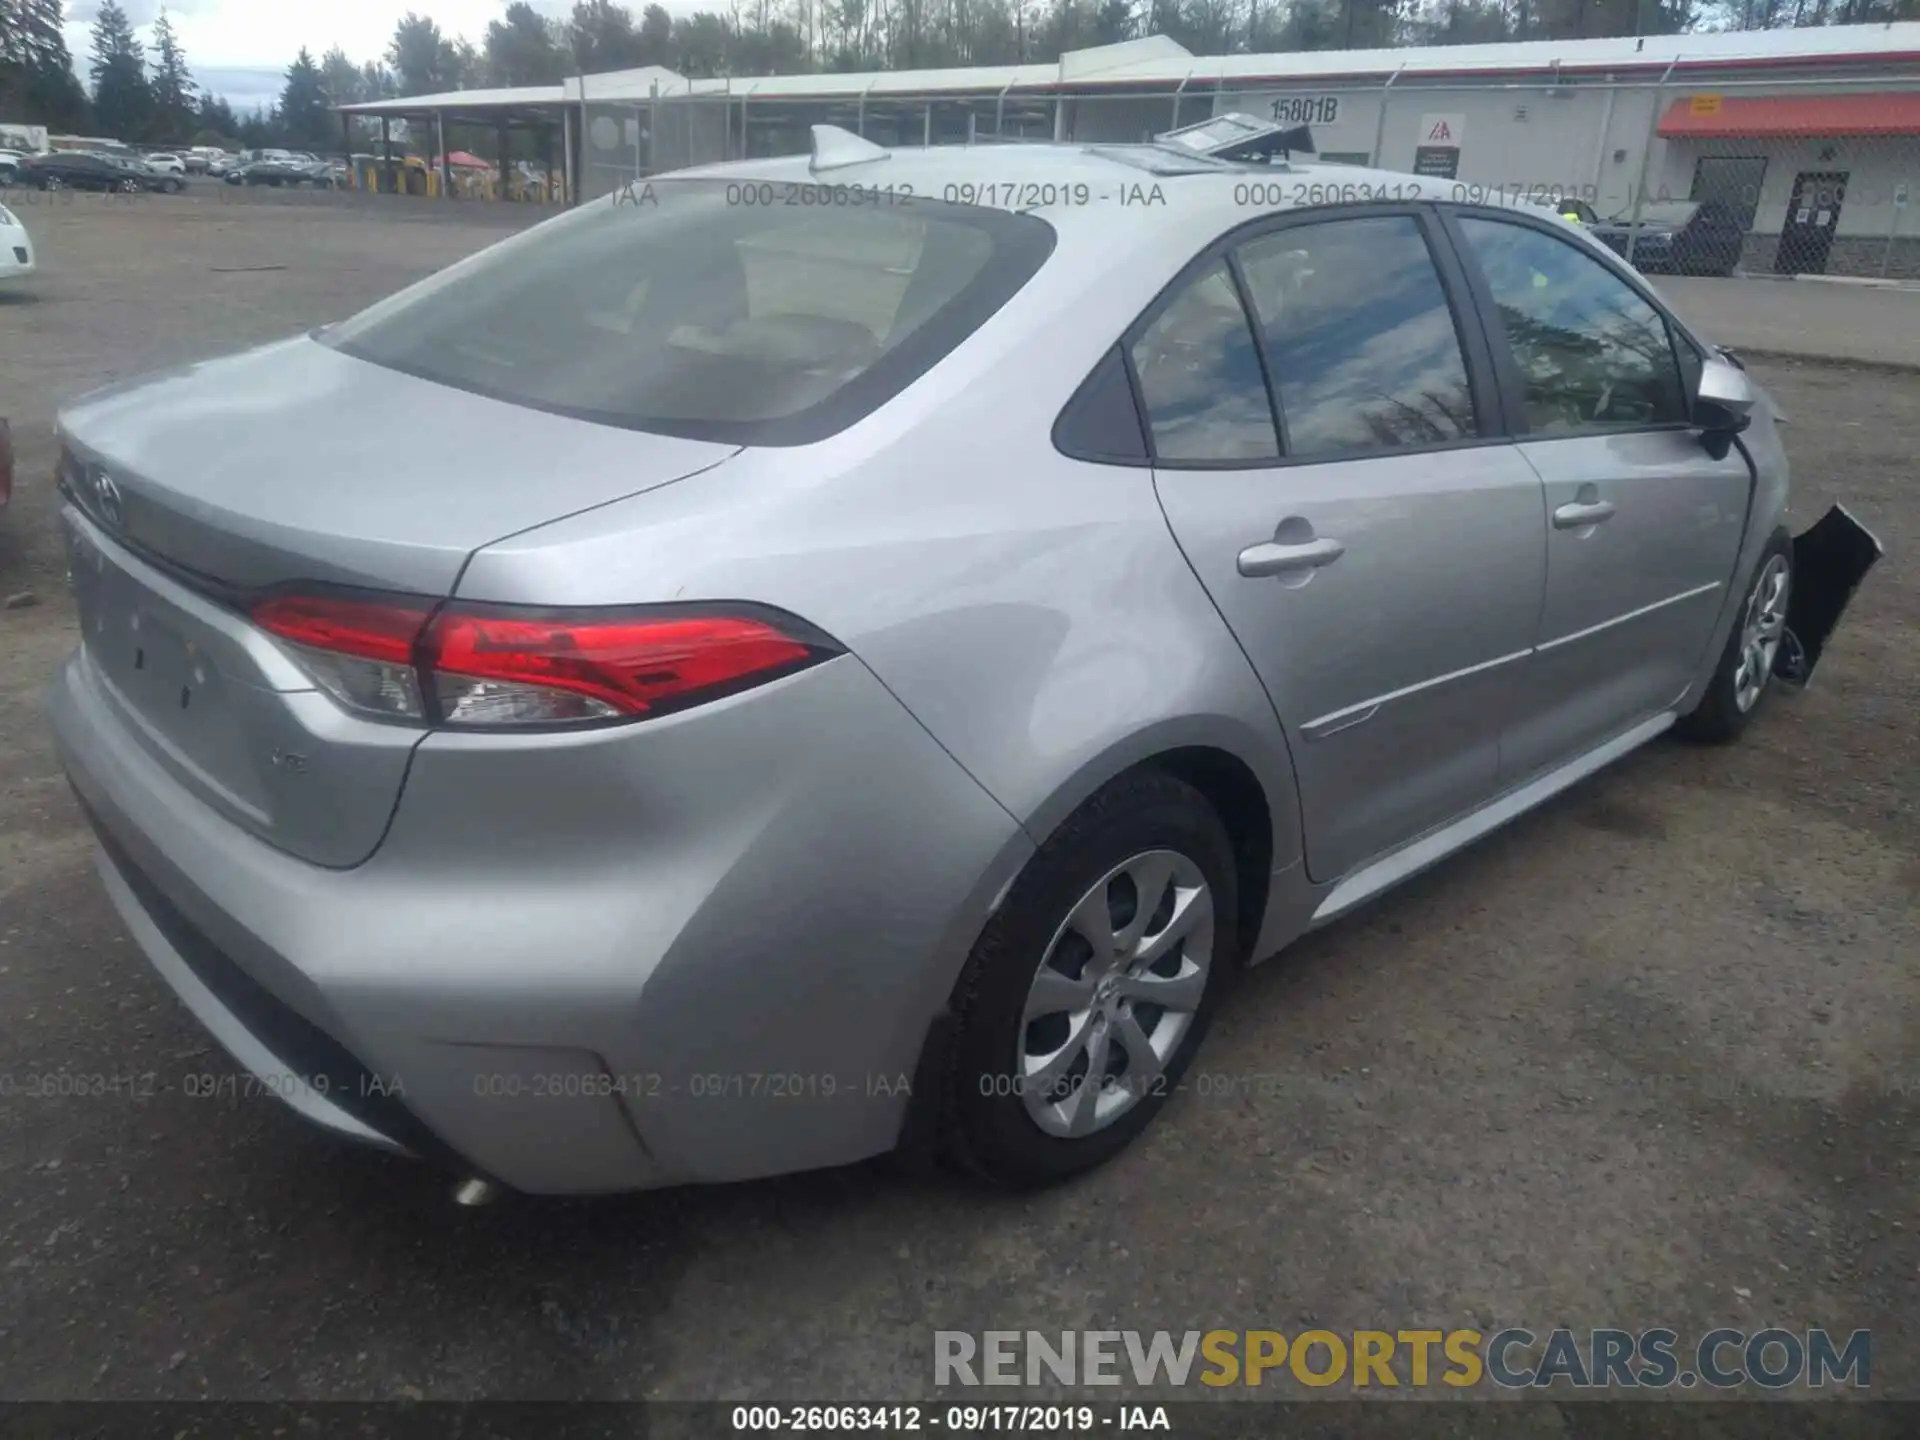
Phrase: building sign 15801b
(1307, 109)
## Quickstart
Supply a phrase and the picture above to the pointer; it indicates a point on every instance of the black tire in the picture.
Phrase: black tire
(988, 1131)
(1718, 718)
(129, 186)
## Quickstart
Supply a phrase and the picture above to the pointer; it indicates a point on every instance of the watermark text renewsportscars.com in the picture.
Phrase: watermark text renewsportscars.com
(1513, 1358)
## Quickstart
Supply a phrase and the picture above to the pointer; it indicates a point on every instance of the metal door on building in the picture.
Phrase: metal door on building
(1813, 215)
(1734, 179)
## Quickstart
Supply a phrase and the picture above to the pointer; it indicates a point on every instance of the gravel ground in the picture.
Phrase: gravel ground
(1649, 1057)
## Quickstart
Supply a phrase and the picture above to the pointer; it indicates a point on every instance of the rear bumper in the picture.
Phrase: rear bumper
(691, 951)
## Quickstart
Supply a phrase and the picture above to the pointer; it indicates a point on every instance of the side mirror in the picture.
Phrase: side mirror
(1723, 402)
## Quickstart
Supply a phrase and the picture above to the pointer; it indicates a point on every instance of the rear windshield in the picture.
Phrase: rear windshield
(747, 312)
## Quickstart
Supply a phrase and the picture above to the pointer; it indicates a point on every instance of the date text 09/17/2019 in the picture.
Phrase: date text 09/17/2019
(956, 1419)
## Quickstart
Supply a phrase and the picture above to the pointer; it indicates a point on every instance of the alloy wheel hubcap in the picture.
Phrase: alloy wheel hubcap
(1762, 627)
(1115, 994)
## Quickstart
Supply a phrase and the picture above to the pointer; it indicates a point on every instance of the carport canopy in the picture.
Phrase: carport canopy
(1705, 117)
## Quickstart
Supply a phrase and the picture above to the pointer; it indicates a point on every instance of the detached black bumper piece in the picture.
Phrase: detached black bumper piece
(1829, 562)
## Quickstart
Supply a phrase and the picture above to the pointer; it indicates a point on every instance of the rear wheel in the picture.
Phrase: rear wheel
(1745, 670)
(1090, 990)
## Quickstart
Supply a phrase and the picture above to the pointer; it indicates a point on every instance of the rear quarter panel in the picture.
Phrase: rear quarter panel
(1032, 611)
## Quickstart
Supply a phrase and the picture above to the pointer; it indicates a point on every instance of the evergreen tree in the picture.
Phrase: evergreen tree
(305, 119)
(173, 87)
(122, 98)
(377, 82)
(215, 123)
(37, 83)
(424, 61)
(655, 37)
(602, 37)
(342, 79)
(521, 49)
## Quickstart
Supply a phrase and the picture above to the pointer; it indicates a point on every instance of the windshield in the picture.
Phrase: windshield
(748, 312)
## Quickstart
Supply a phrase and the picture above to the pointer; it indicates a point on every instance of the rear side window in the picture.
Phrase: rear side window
(1359, 336)
(1592, 354)
(685, 311)
(1200, 379)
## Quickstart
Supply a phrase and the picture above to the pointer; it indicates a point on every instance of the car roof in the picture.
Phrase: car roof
(1163, 192)
(1659, 212)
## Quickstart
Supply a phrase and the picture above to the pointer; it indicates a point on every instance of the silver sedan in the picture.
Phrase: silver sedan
(815, 655)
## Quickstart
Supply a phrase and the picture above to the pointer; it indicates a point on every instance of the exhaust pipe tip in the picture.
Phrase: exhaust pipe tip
(474, 1193)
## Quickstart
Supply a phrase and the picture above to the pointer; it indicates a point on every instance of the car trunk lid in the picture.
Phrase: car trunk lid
(297, 462)
(195, 491)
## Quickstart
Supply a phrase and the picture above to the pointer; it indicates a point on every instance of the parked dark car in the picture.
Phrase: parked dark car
(281, 173)
(1678, 237)
(84, 170)
(147, 177)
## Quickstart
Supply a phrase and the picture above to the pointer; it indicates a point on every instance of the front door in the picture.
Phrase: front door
(1813, 215)
(1734, 180)
(1375, 546)
(1642, 525)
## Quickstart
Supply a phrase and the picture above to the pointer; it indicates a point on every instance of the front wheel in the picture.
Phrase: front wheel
(1088, 993)
(1745, 670)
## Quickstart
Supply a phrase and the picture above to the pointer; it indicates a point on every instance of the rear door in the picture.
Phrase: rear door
(80, 171)
(1813, 217)
(1642, 523)
(1338, 477)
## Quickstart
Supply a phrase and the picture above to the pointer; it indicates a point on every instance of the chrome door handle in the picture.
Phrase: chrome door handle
(1273, 558)
(1573, 517)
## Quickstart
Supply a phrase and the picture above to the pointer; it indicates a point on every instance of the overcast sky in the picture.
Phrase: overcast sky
(241, 48)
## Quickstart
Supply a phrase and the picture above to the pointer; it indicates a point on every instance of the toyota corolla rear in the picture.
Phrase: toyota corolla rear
(561, 895)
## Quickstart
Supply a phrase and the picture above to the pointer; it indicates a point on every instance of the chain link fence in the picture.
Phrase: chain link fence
(1771, 175)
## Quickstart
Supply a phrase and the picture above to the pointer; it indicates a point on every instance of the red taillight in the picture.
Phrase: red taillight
(633, 665)
(497, 665)
(369, 629)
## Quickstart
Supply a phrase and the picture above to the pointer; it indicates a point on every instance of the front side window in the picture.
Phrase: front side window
(1592, 354)
(1200, 379)
(1359, 337)
(689, 309)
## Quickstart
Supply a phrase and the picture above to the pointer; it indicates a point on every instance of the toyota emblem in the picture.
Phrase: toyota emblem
(107, 494)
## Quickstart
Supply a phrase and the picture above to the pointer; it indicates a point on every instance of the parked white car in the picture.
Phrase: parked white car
(10, 167)
(16, 250)
(166, 163)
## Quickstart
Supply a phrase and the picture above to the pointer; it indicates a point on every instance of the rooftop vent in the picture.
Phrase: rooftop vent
(1239, 137)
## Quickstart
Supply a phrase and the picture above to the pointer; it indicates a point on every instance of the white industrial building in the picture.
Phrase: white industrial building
(1811, 135)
